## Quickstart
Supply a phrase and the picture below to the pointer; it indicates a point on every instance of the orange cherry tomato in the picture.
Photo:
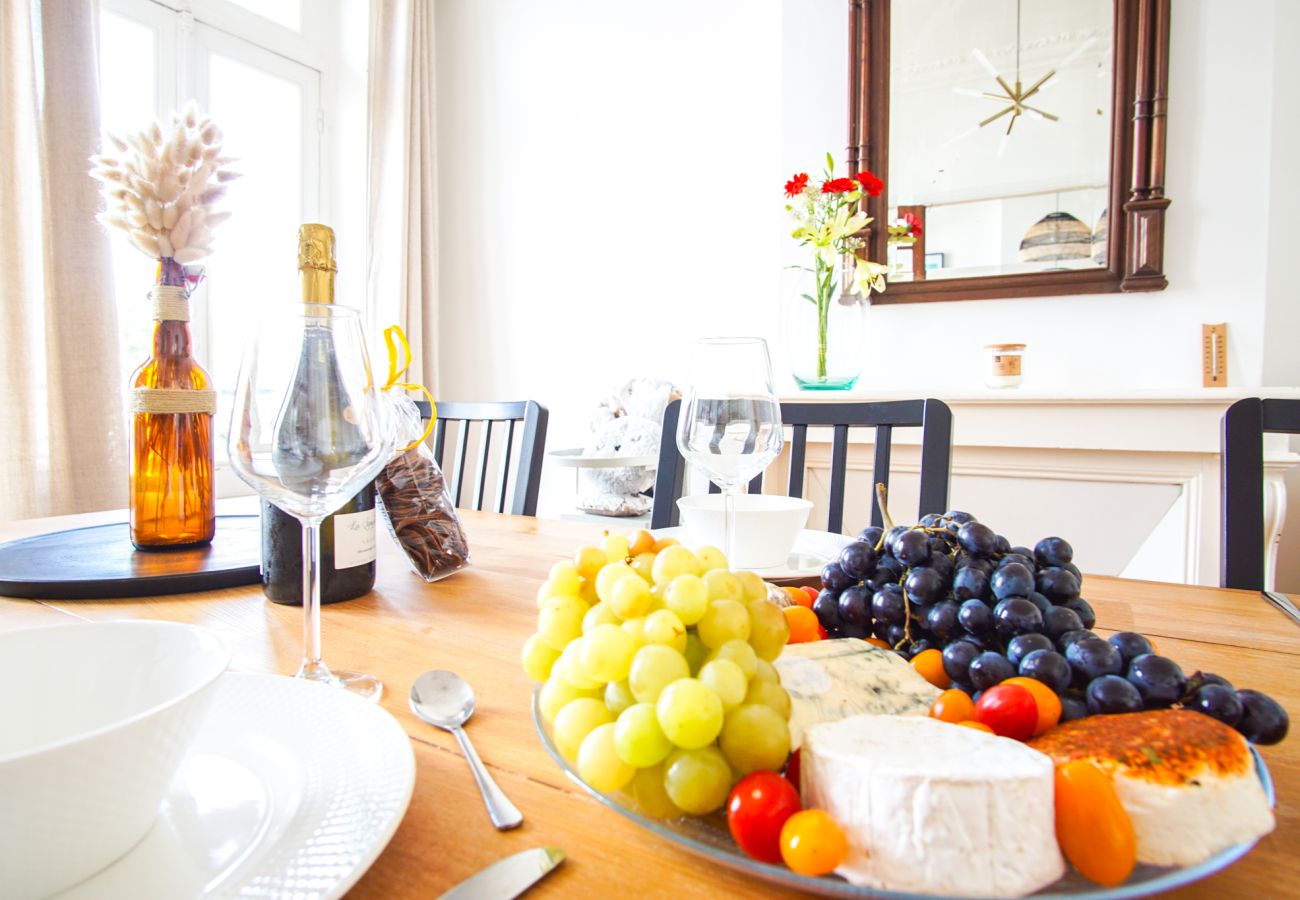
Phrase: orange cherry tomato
(1048, 703)
(1092, 826)
(803, 624)
(953, 705)
(642, 542)
(665, 542)
(811, 593)
(930, 664)
(978, 726)
(812, 843)
(797, 597)
(877, 642)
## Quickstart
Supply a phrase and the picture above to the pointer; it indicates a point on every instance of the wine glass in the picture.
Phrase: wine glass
(309, 430)
(730, 424)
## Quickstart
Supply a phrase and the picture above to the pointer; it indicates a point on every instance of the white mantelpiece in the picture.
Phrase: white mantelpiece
(1131, 478)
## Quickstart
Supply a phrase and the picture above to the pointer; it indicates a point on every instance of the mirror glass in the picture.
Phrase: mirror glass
(1000, 134)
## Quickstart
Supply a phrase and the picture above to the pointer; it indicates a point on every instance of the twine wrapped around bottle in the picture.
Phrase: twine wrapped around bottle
(171, 303)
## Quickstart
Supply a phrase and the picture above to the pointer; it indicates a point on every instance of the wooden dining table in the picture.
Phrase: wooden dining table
(475, 623)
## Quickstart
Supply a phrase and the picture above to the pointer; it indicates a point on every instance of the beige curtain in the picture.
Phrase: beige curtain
(402, 227)
(61, 424)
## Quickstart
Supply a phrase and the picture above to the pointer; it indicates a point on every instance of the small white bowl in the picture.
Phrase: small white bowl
(95, 719)
(766, 526)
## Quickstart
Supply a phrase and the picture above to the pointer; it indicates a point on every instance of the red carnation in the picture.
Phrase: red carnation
(913, 224)
(839, 186)
(870, 183)
(794, 187)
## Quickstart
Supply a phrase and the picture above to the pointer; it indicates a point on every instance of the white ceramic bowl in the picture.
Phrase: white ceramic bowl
(766, 526)
(95, 719)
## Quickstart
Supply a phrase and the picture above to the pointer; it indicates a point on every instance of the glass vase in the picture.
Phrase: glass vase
(172, 502)
(824, 327)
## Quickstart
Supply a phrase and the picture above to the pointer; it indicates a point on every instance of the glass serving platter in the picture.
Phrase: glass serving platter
(707, 836)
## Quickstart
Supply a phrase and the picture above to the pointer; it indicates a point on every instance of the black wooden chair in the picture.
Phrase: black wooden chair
(1241, 532)
(932, 416)
(498, 417)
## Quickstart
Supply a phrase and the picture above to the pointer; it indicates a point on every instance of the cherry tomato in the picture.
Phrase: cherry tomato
(812, 843)
(978, 726)
(953, 705)
(760, 804)
(1048, 703)
(877, 642)
(792, 770)
(642, 542)
(1092, 826)
(811, 593)
(929, 663)
(822, 634)
(1009, 710)
(803, 624)
(664, 543)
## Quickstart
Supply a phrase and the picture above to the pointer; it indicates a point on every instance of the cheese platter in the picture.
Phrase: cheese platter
(936, 718)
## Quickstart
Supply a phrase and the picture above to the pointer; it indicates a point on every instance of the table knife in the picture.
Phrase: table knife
(1283, 602)
(509, 877)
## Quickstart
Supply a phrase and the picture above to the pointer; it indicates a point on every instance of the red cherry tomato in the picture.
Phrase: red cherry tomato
(759, 805)
(1009, 710)
(811, 593)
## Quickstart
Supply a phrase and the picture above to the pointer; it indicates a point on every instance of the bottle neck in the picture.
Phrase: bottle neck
(171, 339)
(317, 285)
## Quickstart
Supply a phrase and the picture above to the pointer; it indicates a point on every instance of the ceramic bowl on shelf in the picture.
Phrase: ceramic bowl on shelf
(766, 526)
(97, 718)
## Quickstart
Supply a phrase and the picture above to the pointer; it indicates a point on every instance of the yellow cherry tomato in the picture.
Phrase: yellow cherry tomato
(953, 706)
(1092, 826)
(812, 843)
(978, 726)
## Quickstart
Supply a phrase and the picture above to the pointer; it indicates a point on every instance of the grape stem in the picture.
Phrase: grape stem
(882, 494)
(907, 620)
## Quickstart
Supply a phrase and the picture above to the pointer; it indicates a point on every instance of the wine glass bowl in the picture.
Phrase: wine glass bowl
(730, 422)
(309, 429)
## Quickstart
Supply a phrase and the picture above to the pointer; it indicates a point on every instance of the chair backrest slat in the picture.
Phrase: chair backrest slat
(527, 471)
(932, 416)
(839, 472)
(880, 470)
(798, 449)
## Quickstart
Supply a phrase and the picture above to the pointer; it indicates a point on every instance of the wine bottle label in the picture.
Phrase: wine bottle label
(354, 539)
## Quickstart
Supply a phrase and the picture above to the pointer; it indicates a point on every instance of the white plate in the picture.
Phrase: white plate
(292, 789)
(811, 551)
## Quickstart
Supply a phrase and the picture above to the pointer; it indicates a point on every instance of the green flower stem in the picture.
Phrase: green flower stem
(825, 276)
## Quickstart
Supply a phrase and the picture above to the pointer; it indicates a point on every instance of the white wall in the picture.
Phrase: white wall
(610, 190)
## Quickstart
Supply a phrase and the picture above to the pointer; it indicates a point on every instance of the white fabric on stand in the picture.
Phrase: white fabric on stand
(402, 226)
(62, 446)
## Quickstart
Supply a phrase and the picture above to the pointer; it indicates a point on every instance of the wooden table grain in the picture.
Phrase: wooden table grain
(475, 623)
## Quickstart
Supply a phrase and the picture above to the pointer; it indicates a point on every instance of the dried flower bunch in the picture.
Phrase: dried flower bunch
(162, 185)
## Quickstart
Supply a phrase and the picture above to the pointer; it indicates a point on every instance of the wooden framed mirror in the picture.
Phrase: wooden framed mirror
(1026, 137)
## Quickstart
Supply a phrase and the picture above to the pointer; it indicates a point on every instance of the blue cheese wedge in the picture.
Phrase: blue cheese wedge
(932, 808)
(832, 680)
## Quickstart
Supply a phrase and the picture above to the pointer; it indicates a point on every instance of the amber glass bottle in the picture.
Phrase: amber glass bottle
(347, 536)
(172, 402)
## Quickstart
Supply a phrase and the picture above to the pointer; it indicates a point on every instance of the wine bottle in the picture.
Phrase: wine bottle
(347, 536)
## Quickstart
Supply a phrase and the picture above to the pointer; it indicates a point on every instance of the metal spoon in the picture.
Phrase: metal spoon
(446, 700)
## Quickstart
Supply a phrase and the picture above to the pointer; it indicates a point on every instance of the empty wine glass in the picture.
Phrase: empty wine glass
(309, 429)
(730, 424)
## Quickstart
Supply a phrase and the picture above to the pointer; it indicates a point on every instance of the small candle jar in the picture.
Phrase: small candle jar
(1004, 364)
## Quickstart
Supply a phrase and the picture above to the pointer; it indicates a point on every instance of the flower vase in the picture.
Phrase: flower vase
(172, 502)
(824, 327)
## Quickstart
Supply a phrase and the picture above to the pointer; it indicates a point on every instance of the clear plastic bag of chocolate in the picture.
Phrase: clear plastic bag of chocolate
(415, 503)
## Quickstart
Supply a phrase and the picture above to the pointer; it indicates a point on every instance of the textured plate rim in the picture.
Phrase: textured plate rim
(1167, 880)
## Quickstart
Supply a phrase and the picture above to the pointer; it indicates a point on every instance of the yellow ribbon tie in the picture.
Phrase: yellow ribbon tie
(395, 338)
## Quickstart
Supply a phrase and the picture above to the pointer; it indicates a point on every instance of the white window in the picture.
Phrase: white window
(258, 69)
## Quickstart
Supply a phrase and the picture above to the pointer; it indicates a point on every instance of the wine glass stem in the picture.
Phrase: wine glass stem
(729, 522)
(313, 669)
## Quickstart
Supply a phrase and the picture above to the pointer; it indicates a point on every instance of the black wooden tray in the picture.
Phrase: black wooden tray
(99, 562)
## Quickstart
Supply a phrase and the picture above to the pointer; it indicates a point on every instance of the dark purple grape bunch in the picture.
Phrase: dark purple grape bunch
(996, 611)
